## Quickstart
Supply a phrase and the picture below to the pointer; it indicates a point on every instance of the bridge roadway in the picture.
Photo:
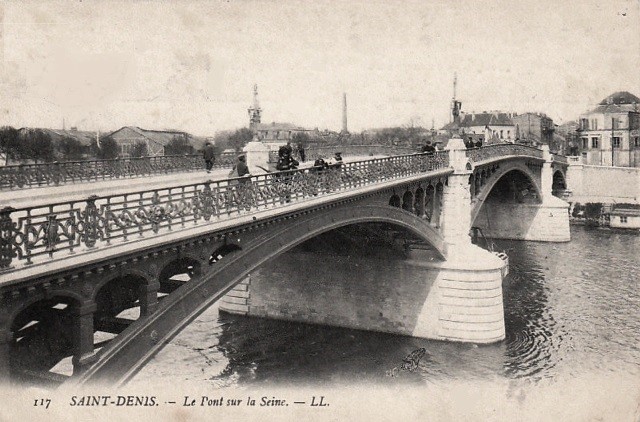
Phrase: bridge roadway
(42, 195)
(35, 230)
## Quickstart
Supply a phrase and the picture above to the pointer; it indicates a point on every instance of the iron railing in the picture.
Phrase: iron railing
(32, 232)
(327, 152)
(560, 158)
(60, 173)
(502, 150)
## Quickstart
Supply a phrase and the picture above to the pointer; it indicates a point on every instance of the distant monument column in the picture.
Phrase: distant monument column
(344, 112)
(254, 111)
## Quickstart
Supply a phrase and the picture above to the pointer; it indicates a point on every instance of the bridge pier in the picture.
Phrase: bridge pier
(84, 353)
(465, 301)
(149, 298)
(468, 287)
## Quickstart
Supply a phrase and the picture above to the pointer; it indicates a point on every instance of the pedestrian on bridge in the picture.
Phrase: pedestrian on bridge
(428, 148)
(242, 169)
(209, 156)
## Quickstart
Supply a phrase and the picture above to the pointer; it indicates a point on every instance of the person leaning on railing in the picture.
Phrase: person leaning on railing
(285, 166)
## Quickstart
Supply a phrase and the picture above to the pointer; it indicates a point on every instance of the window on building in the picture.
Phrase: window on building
(623, 218)
(636, 141)
(616, 142)
(584, 124)
(594, 124)
(585, 143)
(501, 134)
(594, 142)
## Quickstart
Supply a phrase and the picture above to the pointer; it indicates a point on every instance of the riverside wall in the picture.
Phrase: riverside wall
(607, 185)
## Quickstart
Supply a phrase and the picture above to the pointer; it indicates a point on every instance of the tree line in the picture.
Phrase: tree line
(37, 145)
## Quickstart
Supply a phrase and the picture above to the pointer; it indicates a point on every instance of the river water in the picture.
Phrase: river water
(572, 313)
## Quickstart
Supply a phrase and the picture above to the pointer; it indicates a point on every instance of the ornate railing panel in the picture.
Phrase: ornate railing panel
(46, 174)
(328, 152)
(28, 233)
(502, 150)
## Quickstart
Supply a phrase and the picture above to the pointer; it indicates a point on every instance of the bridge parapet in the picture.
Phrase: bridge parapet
(60, 173)
(563, 159)
(502, 150)
(44, 231)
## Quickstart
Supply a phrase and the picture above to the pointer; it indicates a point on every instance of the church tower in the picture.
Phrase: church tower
(255, 110)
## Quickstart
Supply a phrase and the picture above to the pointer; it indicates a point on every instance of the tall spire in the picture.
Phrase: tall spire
(455, 83)
(456, 105)
(344, 112)
(255, 110)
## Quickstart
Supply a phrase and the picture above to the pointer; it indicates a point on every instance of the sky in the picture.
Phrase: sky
(191, 65)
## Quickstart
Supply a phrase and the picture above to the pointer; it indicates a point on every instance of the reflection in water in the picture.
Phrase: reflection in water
(570, 309)
(529, 323)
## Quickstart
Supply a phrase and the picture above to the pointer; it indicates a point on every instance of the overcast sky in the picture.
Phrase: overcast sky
(191, 65)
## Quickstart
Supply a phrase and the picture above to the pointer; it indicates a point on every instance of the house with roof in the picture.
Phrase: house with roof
(155, 140)
(610, 132)
(275, 132)
(494, 126)
(625, 216)
(534, 128)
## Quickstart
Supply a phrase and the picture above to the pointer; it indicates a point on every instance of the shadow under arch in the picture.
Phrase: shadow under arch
(42, 335)
(559, 183)
(121, 359)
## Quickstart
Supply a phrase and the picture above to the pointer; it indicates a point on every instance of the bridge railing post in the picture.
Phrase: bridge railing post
(7, 251)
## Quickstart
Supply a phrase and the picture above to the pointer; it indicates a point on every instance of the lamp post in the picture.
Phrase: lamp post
(612, 146)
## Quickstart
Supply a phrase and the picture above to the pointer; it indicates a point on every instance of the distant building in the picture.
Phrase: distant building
(610, 133)
(571, 138)
(280, 132)
(273, 133)
(155, 140)
(84, 137)
(493, 126)
(625, 217)
(533, 128)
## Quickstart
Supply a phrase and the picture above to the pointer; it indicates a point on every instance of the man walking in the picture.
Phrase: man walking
(209, 156)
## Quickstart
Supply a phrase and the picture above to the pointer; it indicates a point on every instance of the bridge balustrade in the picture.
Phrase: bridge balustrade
(314, 153)
(560, 158)
(501, 150)
(32, 232)
(59, 173)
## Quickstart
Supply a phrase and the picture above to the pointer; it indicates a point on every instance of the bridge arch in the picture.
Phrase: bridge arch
(407, 201)
(127, 353)
(133, 273)
(490, 178)
(559, 183)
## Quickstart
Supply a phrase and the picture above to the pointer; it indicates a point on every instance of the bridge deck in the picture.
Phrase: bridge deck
(84, 256)
(37, 196)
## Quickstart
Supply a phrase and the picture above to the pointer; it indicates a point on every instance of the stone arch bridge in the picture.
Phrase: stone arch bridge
(69, 269)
